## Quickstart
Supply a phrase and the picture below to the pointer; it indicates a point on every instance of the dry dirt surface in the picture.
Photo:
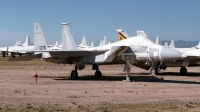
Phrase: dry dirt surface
(55, 91)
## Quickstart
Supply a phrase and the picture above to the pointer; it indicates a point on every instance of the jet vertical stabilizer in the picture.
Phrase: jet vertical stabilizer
(27, 41)
(19, 43)
(100, 43)
(105, 41)
(92, 44)
(16, 43)
(56, 44)
(198, 46)
(84, 42)
(67, 37)
(158, 40)
(172, 44)
(141, 33)
(39, 38)
(166, 44)
(122, 34)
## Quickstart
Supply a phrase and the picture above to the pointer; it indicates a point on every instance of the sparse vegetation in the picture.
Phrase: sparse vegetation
(17, 91)
(73, 96)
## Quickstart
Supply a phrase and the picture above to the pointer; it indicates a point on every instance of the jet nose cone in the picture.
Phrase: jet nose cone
(168, 54)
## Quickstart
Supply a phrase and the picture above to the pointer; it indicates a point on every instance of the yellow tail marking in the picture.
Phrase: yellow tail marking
(121, 37)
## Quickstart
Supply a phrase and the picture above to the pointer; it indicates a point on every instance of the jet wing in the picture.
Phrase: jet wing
(56, 53)
(73, 53)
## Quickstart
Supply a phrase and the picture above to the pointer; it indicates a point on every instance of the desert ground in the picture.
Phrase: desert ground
(55, 91)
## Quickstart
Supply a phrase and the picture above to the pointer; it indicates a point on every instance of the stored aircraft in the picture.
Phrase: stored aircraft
(138, 49)
(10, 50)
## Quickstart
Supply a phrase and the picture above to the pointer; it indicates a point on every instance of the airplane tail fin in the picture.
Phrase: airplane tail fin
(198, 46)
(68, 41)
(141, 33)
(56, 44)
(158, 40)
(100, 43)
(19, 43)
(105, 41)
(122, 35)
(27, 41)
(92, 44)
(40, 42)
(84, 42)
(166, 44)
(172, 44)
(16, 43)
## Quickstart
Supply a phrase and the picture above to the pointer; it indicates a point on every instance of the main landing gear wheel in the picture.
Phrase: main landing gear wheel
(98, 74)
(74, 74)
(183, 70)
(154, 71)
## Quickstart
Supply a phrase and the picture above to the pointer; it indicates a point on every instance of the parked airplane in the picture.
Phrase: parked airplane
(138, 49)
(193, 57)
(10, 50)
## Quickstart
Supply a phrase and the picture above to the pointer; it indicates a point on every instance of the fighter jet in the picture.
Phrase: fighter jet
(138, 49)
(193, 57)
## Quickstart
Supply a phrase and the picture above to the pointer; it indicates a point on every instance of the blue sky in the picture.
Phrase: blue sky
(169, 19)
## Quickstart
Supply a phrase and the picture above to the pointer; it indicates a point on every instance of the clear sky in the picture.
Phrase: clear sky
(169, 19)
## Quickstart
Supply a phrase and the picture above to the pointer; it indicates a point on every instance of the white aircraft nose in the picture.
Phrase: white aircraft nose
(168, 54)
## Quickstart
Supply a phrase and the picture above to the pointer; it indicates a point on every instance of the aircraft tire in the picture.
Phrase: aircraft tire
(183, 70)
(98, 74)
(74, 74)
(154, 71)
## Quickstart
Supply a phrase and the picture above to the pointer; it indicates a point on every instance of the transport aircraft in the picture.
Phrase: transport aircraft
(138, 49)
(9, 50)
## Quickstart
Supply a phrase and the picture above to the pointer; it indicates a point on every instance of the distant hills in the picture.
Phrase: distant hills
(181, 43)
